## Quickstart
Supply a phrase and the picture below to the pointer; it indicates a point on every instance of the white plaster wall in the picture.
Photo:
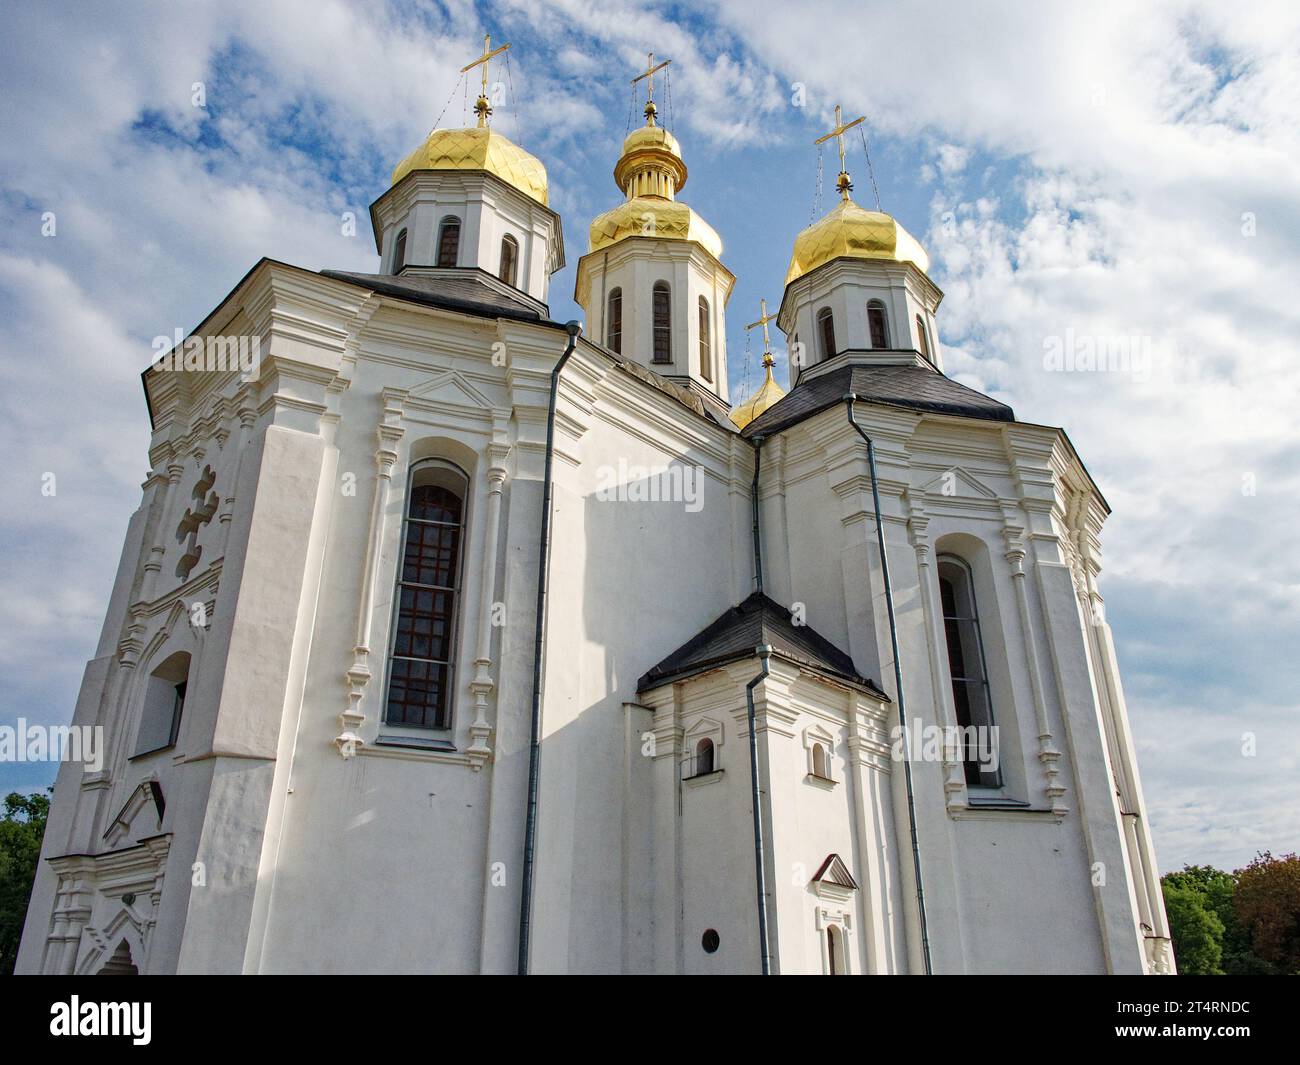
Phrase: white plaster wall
(984, 871)
(409, 861)
(630, 581)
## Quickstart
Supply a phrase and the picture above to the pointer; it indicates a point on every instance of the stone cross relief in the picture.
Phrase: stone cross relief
(195, 518)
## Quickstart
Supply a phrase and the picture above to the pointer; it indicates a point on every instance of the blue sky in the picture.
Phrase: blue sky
(1089, 171)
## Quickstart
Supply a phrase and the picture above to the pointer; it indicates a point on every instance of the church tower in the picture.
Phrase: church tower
(652, 284)
(858, 282)
(470, 199)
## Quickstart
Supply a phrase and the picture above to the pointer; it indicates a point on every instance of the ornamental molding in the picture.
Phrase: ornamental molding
(148, 793)
(704, 727)
(450, 389)
(833, 881)
(958, 483)
(389, 431)
(126, 884)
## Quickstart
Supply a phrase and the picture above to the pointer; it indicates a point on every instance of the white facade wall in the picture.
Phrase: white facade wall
(981, 876)
(278, 854)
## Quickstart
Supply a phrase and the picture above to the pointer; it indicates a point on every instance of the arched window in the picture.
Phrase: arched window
(921, 337)
(663, 323)
(421, 676)
(834, 951)
(509, 259)
(878, 324)
(399, 251)
(821, 763)
(449, 241)
(706, 347)
(826, 332)
(704, 757)
(966, 663)
(164, 703)
(614, 321)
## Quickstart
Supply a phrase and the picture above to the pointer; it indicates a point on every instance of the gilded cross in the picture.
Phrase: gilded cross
(481, 106)
(649, 75)
(764, 318)
(841, 127)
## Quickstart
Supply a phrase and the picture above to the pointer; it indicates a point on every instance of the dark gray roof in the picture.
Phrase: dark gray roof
(703, 404)
(917, 387)
(469, 291)
(735, 635)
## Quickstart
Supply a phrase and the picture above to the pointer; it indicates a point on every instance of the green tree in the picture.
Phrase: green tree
(1196, 929)
(1219, 889)
(22, 828)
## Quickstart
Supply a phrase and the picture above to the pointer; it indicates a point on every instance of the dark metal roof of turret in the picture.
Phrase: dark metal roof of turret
(915, 387)
(740, 631)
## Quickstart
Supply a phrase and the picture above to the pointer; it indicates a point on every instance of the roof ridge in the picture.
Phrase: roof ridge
(738, 632)
(922, 388)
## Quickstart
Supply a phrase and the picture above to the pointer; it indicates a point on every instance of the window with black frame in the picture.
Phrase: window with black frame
(826, 332)
(509, 259)
(966, 664)
(614, 321)
(706, 345)
(449, 241)
(422, 664)
(923, 337)
(663, 322)
(878, 324)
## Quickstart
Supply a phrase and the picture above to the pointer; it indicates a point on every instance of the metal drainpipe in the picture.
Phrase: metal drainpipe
(753, 500)
(535, 740)
(849, 400)
(765, 653)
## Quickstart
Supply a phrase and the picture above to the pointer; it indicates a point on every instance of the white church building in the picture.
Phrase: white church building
(449, 639)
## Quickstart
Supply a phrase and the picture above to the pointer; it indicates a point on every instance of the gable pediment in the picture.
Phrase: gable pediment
(959, 483)
(450, 389)
(835, 875)
(141, 814)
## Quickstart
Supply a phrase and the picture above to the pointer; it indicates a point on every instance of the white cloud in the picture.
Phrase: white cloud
(1145, 139)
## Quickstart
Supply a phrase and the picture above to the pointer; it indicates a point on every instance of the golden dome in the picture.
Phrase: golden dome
(651, 163)
(850, 230)
(767, 396)
(651, 137)
(481, 148)
(652, 216)
(650, 171)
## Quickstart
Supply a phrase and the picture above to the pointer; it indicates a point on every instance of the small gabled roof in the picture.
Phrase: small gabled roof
(917, 387)
(145, 791)
(834, 871)
(756, 622)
